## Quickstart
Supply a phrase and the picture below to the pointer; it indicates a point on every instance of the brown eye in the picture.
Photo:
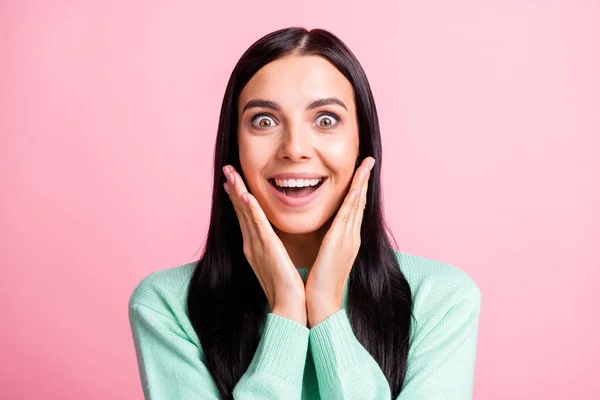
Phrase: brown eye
(263, 121)
(327, 121)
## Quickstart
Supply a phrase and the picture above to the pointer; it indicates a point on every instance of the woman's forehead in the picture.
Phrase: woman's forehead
(295, 80)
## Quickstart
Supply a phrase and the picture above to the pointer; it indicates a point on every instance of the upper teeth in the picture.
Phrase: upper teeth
(297, 182)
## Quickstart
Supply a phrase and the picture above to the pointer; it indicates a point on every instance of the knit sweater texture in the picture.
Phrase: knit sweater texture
(326, 361)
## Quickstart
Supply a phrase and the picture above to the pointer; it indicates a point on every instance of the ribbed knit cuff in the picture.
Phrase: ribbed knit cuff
(333, 345)
(282, 349)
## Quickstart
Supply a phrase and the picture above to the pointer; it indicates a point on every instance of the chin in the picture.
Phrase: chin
(301, 223)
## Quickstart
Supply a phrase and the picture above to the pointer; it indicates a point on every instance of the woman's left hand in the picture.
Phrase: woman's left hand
(328, 276)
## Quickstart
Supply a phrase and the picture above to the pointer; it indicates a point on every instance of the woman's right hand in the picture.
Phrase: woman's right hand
(266, 254)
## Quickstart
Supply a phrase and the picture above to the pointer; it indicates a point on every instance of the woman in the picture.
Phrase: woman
(299, 292)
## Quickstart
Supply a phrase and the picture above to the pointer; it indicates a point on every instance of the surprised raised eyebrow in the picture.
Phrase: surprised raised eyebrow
(260, 103)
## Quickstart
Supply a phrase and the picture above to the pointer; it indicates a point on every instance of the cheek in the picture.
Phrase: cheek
(340, 157)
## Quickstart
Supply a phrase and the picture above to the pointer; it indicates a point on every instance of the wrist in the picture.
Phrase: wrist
(293, 309)
(319, 309)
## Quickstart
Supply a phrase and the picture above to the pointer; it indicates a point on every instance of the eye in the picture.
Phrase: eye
(263, 121)
(327, 120)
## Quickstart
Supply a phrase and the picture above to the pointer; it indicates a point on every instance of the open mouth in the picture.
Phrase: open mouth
(297, 187)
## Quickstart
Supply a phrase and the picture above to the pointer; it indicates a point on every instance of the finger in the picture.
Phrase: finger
(362, 203)
(254, 217)
(350, 204)
(258, 219)
(232, 189)
(239, 189)
(357, 206)
(365, 185)
(361, 173)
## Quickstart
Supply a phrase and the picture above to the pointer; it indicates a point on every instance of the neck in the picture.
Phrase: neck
(303, 248)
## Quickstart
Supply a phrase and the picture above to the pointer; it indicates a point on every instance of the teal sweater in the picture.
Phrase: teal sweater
(323, 362)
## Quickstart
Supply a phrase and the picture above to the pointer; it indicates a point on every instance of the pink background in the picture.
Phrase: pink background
(108, 112)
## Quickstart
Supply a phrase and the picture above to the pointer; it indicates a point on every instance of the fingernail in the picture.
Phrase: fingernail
(225, 170)
(231, 178)
(245, 198)
(365, 172)
(371, 163)
(226, 187)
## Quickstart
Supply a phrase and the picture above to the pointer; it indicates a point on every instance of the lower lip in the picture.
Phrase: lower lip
(295, 201)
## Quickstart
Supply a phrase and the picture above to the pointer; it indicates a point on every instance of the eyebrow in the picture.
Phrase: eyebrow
(259, 103)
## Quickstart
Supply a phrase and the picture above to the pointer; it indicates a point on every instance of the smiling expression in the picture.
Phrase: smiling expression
(298, 140)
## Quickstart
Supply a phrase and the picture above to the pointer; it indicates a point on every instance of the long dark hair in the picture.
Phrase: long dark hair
(226, 303)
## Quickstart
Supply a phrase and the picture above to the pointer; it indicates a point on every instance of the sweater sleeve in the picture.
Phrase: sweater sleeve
(440, 365)
(441, 362)
(345, 369)
(171, 367)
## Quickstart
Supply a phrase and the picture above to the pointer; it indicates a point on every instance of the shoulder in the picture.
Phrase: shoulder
(442, 293)
(428, 277)
(165, 292)
(163, 285)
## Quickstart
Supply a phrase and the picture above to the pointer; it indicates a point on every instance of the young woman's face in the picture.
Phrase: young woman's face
(298, 141)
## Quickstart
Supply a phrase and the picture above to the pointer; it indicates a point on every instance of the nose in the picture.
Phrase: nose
(296, 144)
